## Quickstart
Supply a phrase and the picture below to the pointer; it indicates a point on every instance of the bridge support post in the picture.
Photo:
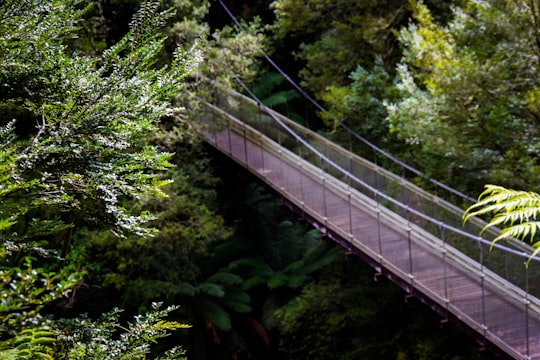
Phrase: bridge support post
(527, 303)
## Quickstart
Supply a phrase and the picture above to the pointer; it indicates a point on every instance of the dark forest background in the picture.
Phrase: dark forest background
(91, 138)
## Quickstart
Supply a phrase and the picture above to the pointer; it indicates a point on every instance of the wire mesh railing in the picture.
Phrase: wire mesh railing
(359, 140)
(496, 267)
(410, 201)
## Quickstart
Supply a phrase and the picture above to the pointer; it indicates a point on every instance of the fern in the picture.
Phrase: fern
(214, 313)
(29, 344)
(237, 300)
(517, 211)
(225, 278)
(211, 289)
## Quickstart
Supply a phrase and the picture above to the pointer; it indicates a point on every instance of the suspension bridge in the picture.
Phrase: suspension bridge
(414, 238)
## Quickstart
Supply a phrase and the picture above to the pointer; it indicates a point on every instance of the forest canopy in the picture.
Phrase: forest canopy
(109, 199)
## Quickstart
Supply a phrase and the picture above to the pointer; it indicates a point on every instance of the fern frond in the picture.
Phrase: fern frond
(516, 215)
(212, 289)
(508, 205)
(516, 211)
(225, 278)
(323, 261)
(237, 300)
(523, 231)
(30, 344)
(536, 247)
(215, 314)
(251, 264)
(171, 325)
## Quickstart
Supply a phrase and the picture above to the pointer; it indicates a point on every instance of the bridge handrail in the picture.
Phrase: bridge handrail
(478, 223)
(251, 109)
(424, 239)
(341, 124)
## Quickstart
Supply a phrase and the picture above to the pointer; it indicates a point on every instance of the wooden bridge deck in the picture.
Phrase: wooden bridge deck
(391, 244)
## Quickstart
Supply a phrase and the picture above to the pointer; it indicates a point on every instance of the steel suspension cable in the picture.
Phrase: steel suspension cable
(375, 191)
(348, 129)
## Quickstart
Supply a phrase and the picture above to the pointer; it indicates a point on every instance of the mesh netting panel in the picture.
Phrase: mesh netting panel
(391, 191)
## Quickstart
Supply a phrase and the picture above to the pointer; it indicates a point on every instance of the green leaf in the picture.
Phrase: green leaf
(225, 278)
(211, 289)
(214, 313)
(277, 280)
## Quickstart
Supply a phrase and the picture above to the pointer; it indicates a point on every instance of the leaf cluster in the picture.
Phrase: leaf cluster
(106, 338)
(515, 211)
(74, 132)
(333, 39)
(89, 149)
(468, 93)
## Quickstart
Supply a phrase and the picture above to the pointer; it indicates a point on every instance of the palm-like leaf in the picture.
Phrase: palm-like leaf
(225, 278)
(515, 210)
(237, 300)
(519, 205)
(521, 231)
(211, 289)
(29, 344)
(214, 313)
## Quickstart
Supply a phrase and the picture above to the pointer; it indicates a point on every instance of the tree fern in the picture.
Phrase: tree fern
(265, 89)
(224, 277)
(237, 300)
(214, 290)
(29, 344)
(214, 313)
(517, 211)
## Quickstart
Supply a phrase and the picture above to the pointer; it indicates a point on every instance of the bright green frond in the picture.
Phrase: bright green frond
(515, 211)
(510, 205)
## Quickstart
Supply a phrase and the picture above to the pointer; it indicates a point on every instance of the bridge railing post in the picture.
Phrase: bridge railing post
(526, 304)
(282, 179)
(246, 161)
(324, 192)
(445, 264)
(302, 197)
(349, 209)
(410, 248)
(212, 126)
(229, 140)
(260, 127)
(379, 237)
(482, 287)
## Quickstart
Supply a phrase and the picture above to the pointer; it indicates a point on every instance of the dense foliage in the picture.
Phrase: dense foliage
(108, 199)
(468, 93)
(74, 147)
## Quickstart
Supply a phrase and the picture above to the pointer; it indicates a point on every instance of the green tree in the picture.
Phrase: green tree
(344, 314)
(83, 338)
(330, 39)
(74, 133)
(334, 38)
(88, 149)
(469, 93)
(361, 107)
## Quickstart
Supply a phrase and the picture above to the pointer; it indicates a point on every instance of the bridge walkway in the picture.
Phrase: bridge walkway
(460, 286)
